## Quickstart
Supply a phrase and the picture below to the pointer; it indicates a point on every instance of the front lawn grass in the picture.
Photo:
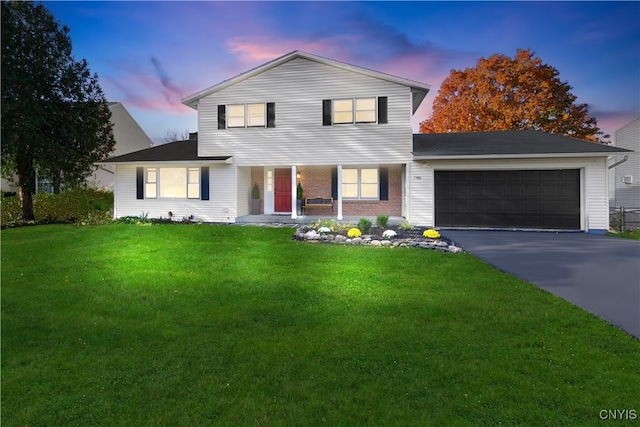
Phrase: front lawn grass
(225, 325)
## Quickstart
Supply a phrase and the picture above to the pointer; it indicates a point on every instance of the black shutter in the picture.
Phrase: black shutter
(204, 183)
(382, 110)
(334, 183)
(326, 112)
(271, 114)
(222, 116)
(384, 183)
(139, 183)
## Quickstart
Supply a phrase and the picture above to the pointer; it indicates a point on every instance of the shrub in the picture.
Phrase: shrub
(319, 223)
(382, 221)
(354, 232)
(364, 225)
(406, 225)
(80, 205)
(431, 234)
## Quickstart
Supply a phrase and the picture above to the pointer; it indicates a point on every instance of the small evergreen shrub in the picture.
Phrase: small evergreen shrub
(382, 221)
(364, 225)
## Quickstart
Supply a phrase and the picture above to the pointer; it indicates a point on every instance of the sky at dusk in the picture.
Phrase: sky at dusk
(150, 55)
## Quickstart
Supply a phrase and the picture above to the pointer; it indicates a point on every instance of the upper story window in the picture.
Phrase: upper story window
(247, 115)
(354, 110)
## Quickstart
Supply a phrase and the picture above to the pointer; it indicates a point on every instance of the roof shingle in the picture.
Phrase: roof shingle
(504, 143)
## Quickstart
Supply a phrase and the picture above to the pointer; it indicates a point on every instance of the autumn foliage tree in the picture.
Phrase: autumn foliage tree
(503, 93)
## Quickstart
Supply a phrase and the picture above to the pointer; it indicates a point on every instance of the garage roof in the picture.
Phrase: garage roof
(178, 151)
(518, 143)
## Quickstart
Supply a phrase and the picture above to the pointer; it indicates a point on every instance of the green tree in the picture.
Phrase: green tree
(55, 118)
(503, 93)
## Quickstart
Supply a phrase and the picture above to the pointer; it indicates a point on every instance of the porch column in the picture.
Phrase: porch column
(339, 192)
(294, 211)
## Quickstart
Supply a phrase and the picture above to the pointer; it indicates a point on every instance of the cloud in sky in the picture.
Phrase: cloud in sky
(152, 54)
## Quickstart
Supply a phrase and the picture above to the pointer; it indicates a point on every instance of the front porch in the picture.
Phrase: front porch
(307, 219)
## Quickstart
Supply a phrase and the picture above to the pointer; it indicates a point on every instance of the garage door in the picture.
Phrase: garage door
(548, 199)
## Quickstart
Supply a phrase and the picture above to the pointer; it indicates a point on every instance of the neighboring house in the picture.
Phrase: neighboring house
(129, 137)
(627, 174)
(345, 132)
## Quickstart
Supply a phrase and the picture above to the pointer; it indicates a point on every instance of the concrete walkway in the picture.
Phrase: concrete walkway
(598, 273)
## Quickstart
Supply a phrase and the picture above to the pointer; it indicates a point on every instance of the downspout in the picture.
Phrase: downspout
(106, 170)
(624, 159)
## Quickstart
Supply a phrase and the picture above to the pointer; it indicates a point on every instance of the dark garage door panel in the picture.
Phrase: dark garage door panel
(514, 198)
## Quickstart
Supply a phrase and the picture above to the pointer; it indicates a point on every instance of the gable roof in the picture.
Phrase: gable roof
(419, 90)
(517, 143)
(178, 151)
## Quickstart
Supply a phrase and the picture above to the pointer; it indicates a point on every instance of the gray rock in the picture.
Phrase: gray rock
(396, 243)
(340, 238)
(375, 243)
(309, 235)
(331, 237)
(357, 240)
(386, 243)
(348, 241)
(455, 250)
(427, 245)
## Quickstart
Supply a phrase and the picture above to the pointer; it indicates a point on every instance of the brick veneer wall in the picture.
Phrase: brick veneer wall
(316, 182)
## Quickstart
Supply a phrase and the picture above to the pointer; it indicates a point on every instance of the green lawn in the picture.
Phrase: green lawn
(222, 325)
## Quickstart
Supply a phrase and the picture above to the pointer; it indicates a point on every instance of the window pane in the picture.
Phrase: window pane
(365, 116)
(151, 175)
(173, 182)
(366, 110)
(193, 191)
(236, 116)
(150, 190)
(194, 175)
(369, 175)
(343, 111)
(350, 175)
(255, 115)
(369, 191)
(366, 104)
(349, 191)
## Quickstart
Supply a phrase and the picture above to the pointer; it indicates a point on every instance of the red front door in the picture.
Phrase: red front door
(282, 190)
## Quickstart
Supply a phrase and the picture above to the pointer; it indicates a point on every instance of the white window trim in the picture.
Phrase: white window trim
(354, 112)
(359, 182)
(246, 115)
(158, 183)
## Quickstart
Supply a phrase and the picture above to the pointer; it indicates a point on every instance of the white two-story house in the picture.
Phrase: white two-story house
(344, 132)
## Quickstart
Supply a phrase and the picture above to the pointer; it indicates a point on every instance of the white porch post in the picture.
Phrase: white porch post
(339, 192)
(294, 211)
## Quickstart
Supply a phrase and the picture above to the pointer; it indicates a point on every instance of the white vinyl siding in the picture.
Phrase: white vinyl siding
(593, 183)
(628, 194)
(300, 137)
(220, 208)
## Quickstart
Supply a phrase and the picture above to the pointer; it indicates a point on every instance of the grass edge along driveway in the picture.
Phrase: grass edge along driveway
(197, 325)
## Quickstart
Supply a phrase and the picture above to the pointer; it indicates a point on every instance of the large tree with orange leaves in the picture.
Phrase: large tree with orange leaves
(503, 93)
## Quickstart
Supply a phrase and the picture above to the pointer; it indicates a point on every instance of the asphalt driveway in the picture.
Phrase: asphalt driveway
(598, 273)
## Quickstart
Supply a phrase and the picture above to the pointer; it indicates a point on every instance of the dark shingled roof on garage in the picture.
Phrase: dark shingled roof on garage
(519, 142)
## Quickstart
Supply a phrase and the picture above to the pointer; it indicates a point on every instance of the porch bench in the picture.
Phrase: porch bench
(318, 202)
